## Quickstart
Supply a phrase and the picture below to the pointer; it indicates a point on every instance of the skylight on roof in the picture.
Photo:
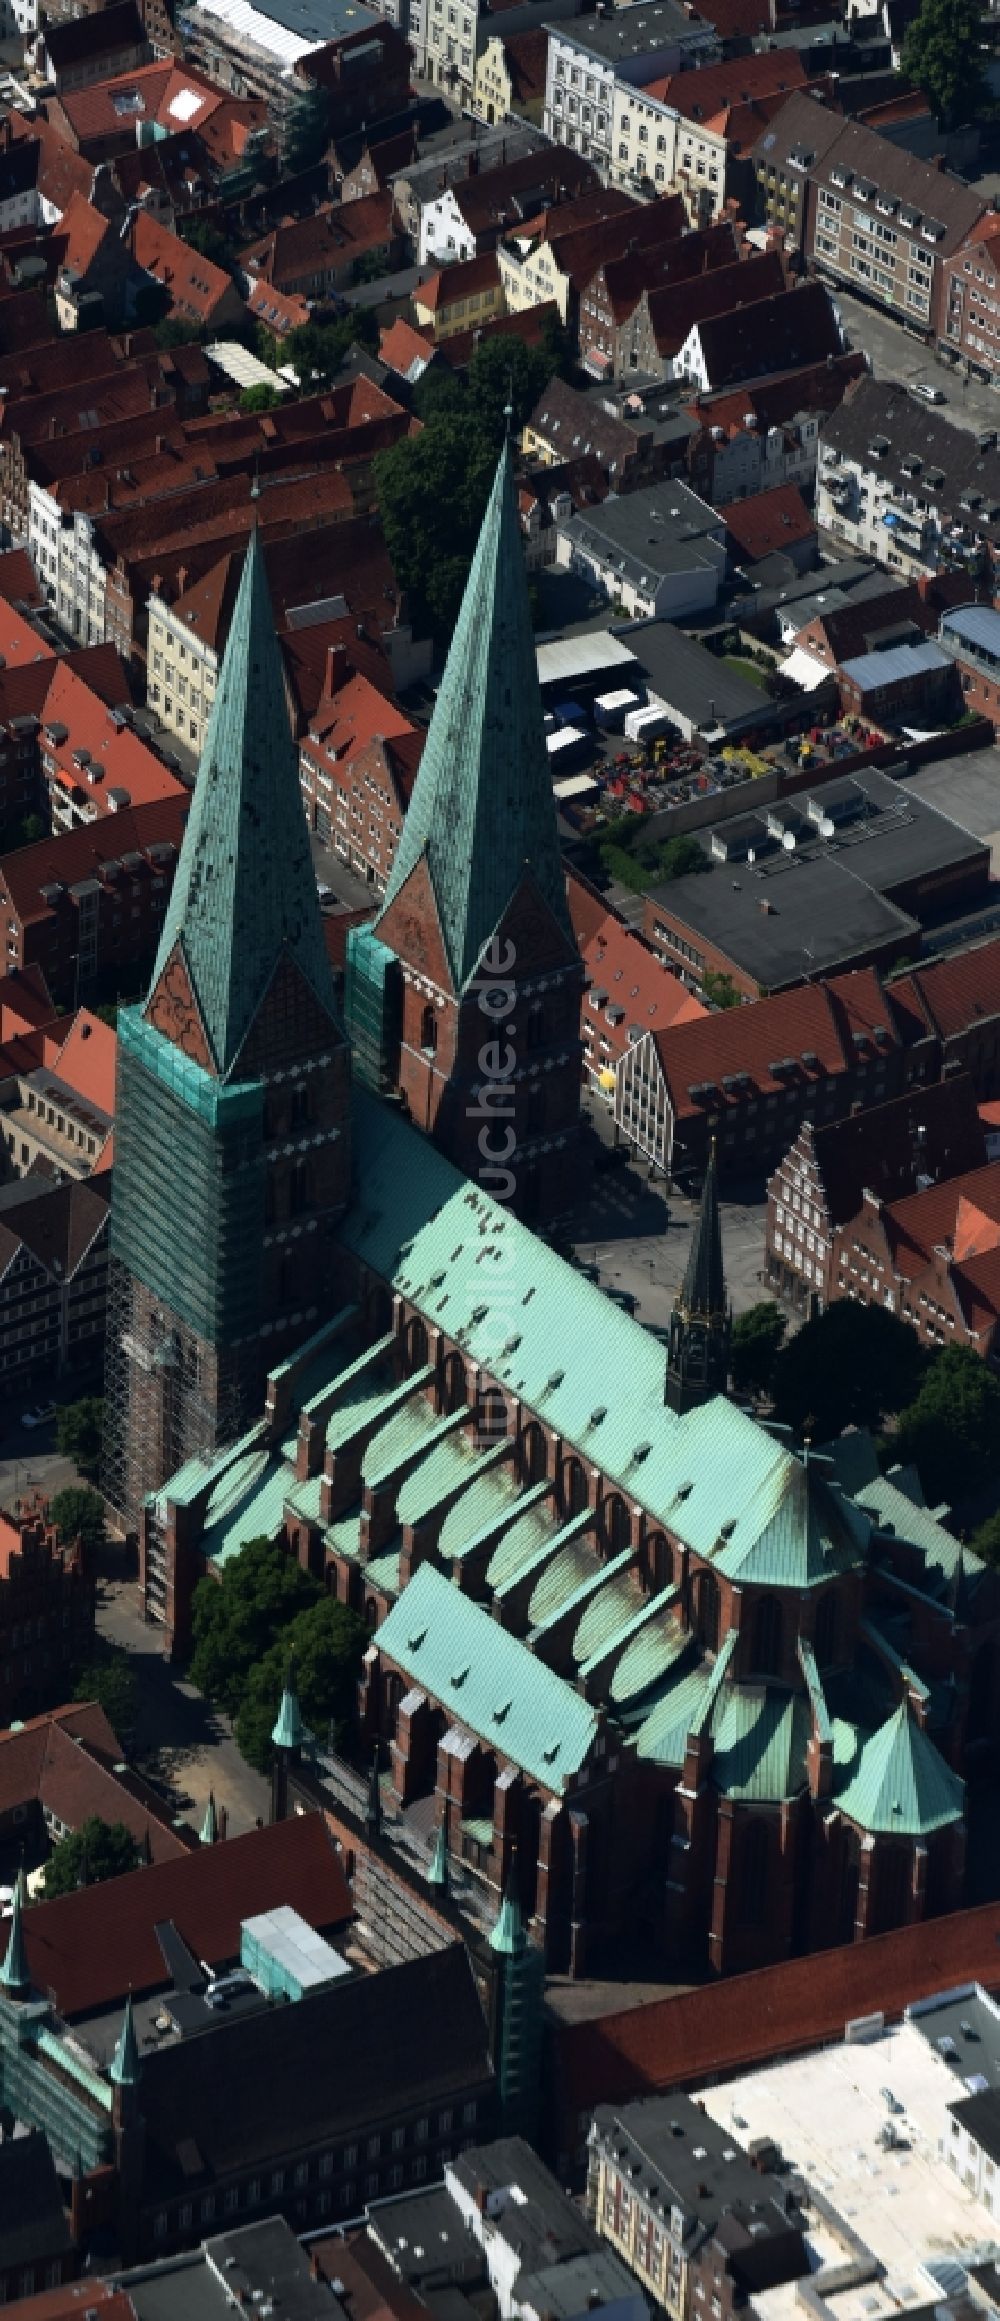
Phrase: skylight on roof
(185, 105)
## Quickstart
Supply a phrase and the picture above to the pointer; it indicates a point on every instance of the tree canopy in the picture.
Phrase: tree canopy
(851, 1366)
(236, 1618)
(757, 1337)
(260, 397)
(942, 53)
(986, 1542)
(79, 1514)
(110, 1680)
(79, 1433)
(433, 487)
(96, 1851)
(951, 1428)
(327, 1640)
(316, 350)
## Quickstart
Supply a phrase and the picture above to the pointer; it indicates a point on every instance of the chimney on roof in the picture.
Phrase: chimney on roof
(472, 166)
(336, 667)
(181, 579)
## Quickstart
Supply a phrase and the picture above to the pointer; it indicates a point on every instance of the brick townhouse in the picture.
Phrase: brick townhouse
(357, 762)
(933, 1258)
(316, 256)
(609, 302)
(751, 1076)
(177, 381)
(891, 1150)
(83, 49)
(628, 992)
(557, 256)
(46, 1595)
(86, 907)
(667, 312)
(53, 1281)
(196, 290)
(968, 322)
(768, 434)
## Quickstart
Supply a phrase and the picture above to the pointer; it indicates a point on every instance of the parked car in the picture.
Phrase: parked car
(927, 393)
(42, 1413)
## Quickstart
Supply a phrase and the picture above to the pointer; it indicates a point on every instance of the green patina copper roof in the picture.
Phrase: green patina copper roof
(15, 1973)
(658, 1641)
(576, 1566)
(244, 895)
(796, 1531)
(290, 1732)
(900, 1782)
(814, 1687)
(508, 1936)
(416, 1425)
(611, 1610)
(892, 1507)
(383, 1571)
(482, 811)
(247, 1503)
(489, 1499)
(366, 1390)
(451, 1466)
(760, 1744)
(531, 1536)
(437, 1869)
(126, 2068)
(487, 1680)
(210, 1826)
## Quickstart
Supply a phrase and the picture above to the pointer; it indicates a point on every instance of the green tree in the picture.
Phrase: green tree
(986, 1542)
(951, 1429)
(316, 350)
(110, 1680)
(96, 1851)
(719, 989)
(432, 489)
(79, 1514)
(208, 241)
(236, 1618)
(79, 1433)
(262, 397)
(757, 1338)
(942, 52)
(172, 332)
(852, 1366)
(505, 373)
(328, 1641)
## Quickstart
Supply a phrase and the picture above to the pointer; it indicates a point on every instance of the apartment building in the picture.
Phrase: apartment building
(57, 1104)
(447, 38)
(752, 438)
(656, 555)
(630, 46)
(510, 76)
(85, 909)
(700, 2221)
(969, 319)
(53, 1279)
(901, 483)
(357, 763)
(862, 210)
(472, 215)
(677, 134)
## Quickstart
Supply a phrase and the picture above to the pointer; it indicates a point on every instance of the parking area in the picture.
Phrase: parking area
(897, 353)
(634, 1236)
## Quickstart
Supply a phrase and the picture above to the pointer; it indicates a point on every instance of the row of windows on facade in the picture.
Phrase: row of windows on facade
(298, 2178)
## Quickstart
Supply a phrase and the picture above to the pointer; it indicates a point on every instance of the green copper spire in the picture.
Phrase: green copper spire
(482, 810)
(210, 1826)
(437, 1873)
(289, 1731)
(704, 1288)
(245, 890)
(508, 1936)
(125, 2064)
(15, 1973)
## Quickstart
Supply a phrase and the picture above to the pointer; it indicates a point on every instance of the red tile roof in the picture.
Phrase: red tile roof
(948, 996)
(80, 853)
(275, 308)
(128, 766)
(752, 2019)
(18, 582)
(718, 86)
(820, 1018)
(88, 1949)
(65, 1761)
(777, 519)
(526, 57)
(692, 254)
(196, 287)
(530, 327)
(401, 346)
(451, 283)
(326, 242)
(87, 1060)
(84, 231)
(353, 714)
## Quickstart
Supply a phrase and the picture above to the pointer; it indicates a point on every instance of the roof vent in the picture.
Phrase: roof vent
(598, 1416)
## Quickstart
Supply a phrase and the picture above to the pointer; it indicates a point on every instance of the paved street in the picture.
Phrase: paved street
(897, 353)
(637, 1237)
(178, 1734)
(29, 1460)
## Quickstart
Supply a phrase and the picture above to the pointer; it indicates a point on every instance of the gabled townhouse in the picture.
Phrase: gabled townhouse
(196, 290)
(38, 173)
(612, 303)
(567, 425)
(905, 485)
(862, 211)
(932, 1258)
(121, 386)
(889, 1150)
(795, 328)
(470, 215)
(46, 1592)
(668, 316)
(967, 320)
(459, 297)
(57, 1101)
(509, 76)
(53, 1279)
(755, 437)
(747, 1076)
(77, 50)
(93, 269)
(357, 762)
(316, 256)
(529, 251)
(629, 992)
(85, 908)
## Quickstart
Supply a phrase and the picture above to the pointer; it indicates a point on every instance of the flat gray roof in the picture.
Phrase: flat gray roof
(650, 25)
(648, 532)
(693, 681)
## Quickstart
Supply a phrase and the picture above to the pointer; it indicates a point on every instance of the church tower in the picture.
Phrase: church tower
(487, 1045)
(232, 1141)
(700, 1323)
